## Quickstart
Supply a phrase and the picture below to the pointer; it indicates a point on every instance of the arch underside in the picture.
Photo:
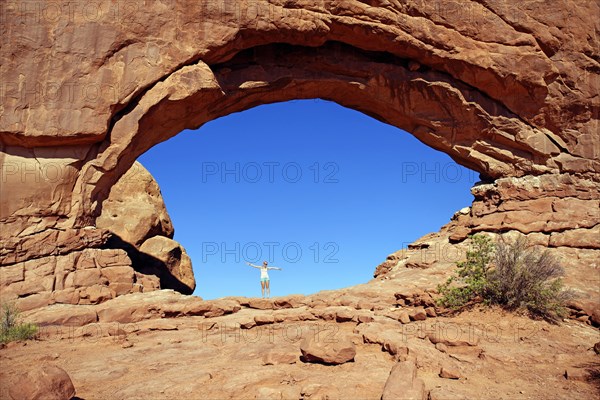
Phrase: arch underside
(475, 130)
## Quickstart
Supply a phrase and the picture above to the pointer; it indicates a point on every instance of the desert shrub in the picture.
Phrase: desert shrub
(11, 326)
(471, 278)
(525, 278)
(512, 275)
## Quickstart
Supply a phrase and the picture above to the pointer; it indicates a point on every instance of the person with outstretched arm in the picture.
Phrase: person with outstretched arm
(264, 277)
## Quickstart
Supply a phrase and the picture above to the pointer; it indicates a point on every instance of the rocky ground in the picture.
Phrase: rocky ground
(381, 339)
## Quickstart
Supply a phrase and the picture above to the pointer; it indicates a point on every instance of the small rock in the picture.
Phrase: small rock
(438, 337)
(441, 347)
(118, 332)
(126, 344)
(365, 305)
(317, 391)
(292, 301)
(583, 318)
(418, 314)
(264, 319)
(597, 348)
(275, 357)
(399, 352)
(260, 304)
(430, 311)
(448, 373)
(445, 393)
(50, 357)
(576, 374)
(327, 315)
(364, 319)
(344, 316)
(45, 381)
(404, 317)
(247, 323)
(161, 326)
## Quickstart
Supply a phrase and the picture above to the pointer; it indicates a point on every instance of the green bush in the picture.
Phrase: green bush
(11, 327)
(512, 275)
(471, 278)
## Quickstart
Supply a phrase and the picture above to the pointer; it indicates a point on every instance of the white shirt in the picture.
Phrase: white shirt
(264, 273)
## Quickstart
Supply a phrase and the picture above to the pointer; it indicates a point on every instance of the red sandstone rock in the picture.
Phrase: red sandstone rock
(449, 373)
(417, 314)
(63, 315)
(135, 209)
(463, 339)
(327, 351)
(172, 262)
(45, 381)
(263, 319)
(576, 374)
(403, 383)
(509, 114)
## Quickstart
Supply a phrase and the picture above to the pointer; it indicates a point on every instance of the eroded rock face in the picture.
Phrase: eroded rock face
(89, 276)
(82, 266)
(509, 90)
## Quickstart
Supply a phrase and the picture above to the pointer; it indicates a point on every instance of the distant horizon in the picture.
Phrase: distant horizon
(320, 190)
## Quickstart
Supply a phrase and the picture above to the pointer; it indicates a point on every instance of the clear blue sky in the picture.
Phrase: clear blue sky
(322, 191)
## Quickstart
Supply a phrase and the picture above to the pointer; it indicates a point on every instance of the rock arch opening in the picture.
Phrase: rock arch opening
(316, 188)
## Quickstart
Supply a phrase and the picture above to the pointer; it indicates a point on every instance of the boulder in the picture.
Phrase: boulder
(320, 350)
(264, 319)
(291, 301)
(281, 355)
(135, 212)
(388, 336)
(134, 209)
(259, 304)
(171, 261)
(402, 383)
(418, 314)
(449, 373)
(463, 339)
(45, 381)
(221, 307)
(404, 317)
(345, 315)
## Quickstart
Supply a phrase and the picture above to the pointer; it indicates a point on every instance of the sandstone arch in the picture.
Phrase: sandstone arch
(476, 131)
(509, 90)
